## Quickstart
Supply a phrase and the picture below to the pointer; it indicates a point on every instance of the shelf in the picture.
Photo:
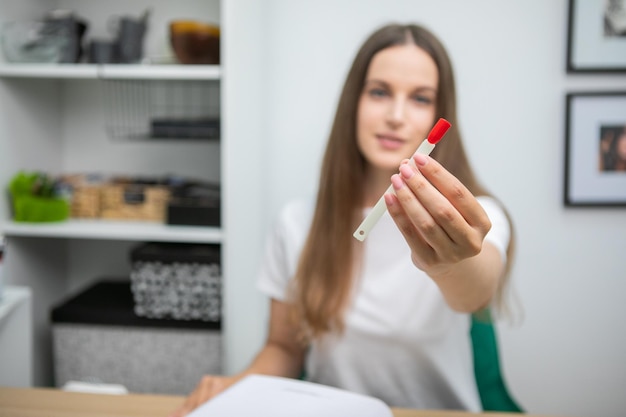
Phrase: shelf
(161, 72)
(112, 71)
(114, 230)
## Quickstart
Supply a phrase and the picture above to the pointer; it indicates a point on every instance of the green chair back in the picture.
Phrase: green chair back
(492, 389)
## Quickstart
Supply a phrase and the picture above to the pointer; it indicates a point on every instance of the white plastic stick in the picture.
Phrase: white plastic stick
(379, 209)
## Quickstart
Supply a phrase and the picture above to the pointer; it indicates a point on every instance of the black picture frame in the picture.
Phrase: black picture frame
(596, 36)
(595, 173)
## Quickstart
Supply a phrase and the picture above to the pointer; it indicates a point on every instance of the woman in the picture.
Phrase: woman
(388, 317)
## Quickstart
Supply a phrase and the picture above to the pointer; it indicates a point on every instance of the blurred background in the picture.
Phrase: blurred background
(284, 63)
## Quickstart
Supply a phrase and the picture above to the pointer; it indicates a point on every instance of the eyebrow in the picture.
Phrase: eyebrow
(386, 85)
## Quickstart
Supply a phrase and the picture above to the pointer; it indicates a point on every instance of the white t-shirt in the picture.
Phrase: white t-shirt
(402, 342)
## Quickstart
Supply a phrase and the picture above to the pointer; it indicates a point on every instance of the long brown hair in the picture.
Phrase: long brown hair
(324, 277)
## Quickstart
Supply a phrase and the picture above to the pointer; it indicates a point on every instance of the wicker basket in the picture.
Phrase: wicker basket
(86, 202)
(85, 194)
(134, 202)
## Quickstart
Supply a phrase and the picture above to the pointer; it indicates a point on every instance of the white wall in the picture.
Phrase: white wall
(567, 357)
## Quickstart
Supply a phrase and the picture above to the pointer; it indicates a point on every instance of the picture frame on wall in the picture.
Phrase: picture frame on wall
(595, 149)
(596, 40)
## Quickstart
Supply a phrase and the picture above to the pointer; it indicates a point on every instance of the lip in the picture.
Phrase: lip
(390, 141)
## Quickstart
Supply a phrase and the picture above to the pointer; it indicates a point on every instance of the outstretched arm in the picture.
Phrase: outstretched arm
(445, 227)
(282, 355)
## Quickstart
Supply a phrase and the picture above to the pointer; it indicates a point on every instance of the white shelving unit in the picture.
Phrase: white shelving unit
(50, 120)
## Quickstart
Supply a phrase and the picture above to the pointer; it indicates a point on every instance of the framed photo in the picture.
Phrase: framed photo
(595, 149)
(596, 39)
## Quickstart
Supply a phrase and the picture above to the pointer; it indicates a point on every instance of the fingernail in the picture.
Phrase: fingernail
(389, 199)
(406, 171)
(396, 182)
(420, 160)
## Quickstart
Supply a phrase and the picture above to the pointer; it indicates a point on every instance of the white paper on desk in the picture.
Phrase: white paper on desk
(269, 396)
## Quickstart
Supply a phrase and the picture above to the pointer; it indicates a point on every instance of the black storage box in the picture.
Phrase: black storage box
(194, 204)
(199, 128)
(97, 337)
(177, 280)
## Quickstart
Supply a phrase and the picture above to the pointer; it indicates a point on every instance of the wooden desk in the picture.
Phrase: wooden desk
(50, 402)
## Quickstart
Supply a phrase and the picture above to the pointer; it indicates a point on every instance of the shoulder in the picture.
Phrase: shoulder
(296, 215)
(500, 233)
(283, 248)
(292, 224)
(491, 206)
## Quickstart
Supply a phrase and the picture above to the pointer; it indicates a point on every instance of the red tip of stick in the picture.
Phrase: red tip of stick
(437, 132)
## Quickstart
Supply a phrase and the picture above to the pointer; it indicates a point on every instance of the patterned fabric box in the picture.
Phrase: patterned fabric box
(177, 280)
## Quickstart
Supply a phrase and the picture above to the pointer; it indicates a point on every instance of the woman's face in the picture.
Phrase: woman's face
(397, 106)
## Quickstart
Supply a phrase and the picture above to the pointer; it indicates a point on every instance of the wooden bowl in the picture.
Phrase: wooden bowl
(195, 42)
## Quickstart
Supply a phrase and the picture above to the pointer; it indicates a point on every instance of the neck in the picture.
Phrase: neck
(376, 183)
